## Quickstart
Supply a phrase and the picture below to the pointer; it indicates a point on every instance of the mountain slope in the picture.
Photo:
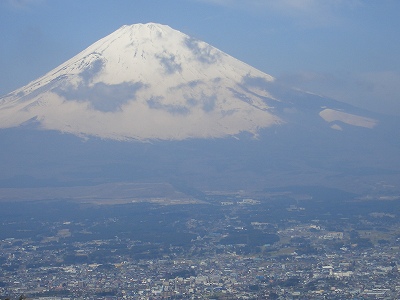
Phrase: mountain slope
(148, 81)
(143, 82)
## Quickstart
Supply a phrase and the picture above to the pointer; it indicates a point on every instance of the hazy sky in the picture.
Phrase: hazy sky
(345, 49)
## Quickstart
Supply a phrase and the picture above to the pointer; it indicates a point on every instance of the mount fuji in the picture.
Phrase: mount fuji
(148, 81)
(150, 103)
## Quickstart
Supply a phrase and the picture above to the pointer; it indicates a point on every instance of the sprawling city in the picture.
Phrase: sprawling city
(278, 244)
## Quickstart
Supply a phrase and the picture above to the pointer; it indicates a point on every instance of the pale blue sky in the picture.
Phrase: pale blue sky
(345, 49)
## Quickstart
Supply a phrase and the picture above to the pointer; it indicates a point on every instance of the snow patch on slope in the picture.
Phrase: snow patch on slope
(331, 115)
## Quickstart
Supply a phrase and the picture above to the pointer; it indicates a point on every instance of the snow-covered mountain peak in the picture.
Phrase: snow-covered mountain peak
(146, 28)
(149, 81)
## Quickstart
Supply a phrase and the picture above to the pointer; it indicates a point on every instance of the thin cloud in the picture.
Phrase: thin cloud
(375, 91)
(23, 4)
(308, 12)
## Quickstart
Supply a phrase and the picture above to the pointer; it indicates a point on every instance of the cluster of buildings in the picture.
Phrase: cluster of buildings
(308, 262)
(346, 273)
